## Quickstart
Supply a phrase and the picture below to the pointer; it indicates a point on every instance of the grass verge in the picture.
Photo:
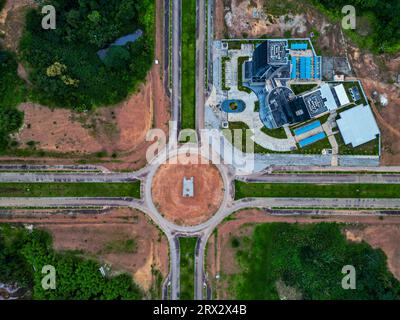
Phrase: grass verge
(70, 189)
(188, 64)
(187, 250)
(306, 190)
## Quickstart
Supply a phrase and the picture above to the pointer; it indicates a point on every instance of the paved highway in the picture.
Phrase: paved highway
(323, 178)
(176, 68)
(68, 177)
(333, 203)
(35, 167)
(200, 63)
(204, 230)
(68, 202)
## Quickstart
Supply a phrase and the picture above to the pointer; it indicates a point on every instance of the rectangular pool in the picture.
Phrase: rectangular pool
(307, 128)
(310, 140)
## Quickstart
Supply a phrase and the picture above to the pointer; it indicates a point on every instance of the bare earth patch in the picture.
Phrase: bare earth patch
(55, 130)
(385, 237)
(12, 21)
(168, 197)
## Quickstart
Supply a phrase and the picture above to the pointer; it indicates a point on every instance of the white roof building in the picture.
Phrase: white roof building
(342, 95)
(327, 95)
(358, 125)
(188, 187)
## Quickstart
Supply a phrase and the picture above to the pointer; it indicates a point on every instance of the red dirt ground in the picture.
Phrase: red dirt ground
(112, 129)
(167, 192)
(12, 21)
(91, 233)
(385, 237)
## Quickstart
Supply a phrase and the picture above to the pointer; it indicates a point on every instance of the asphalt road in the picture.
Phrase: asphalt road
(323, 178)
(176, 68)
(200, 63)
(67, 177)
(68, 202)
(204, 230)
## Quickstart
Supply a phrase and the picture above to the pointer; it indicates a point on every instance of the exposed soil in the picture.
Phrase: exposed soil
(248, 19)
(119, 130)
(167, 191)
(388, 118)
(385, 237)
(382, 233)
(378, 75)
(112, 129)
(12, 21)
(55, 130)
(93, 233)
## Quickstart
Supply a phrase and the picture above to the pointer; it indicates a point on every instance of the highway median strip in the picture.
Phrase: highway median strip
(71, 189)
(306, 190)
(188, 117)
(187, 249)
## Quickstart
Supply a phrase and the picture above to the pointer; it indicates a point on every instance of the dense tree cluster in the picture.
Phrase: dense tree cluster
(83, 27)
(383, 15)
(310, 258)
(24, 253)
(12, 92)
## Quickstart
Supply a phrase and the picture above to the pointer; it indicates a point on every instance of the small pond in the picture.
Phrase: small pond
(233, 106)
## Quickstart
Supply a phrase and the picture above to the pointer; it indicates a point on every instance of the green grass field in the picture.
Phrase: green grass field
(369, 148)
(70, 189)
(305, 262)
(187, 250)
(276, 133)
(305, 190)
(188, 116)
(300, 88)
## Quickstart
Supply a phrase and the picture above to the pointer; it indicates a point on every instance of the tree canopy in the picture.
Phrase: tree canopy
(384, 16)
(310, 258)
(12, 92)
(23, 255)
(82, 28)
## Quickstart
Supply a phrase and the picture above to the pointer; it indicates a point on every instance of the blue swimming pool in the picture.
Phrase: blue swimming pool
(310, 140)
(233, 106)
(307, 128)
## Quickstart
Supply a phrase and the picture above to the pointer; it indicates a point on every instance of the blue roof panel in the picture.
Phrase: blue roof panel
(299, 46)
(307, 128)
(310, 140)
(294, 68)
